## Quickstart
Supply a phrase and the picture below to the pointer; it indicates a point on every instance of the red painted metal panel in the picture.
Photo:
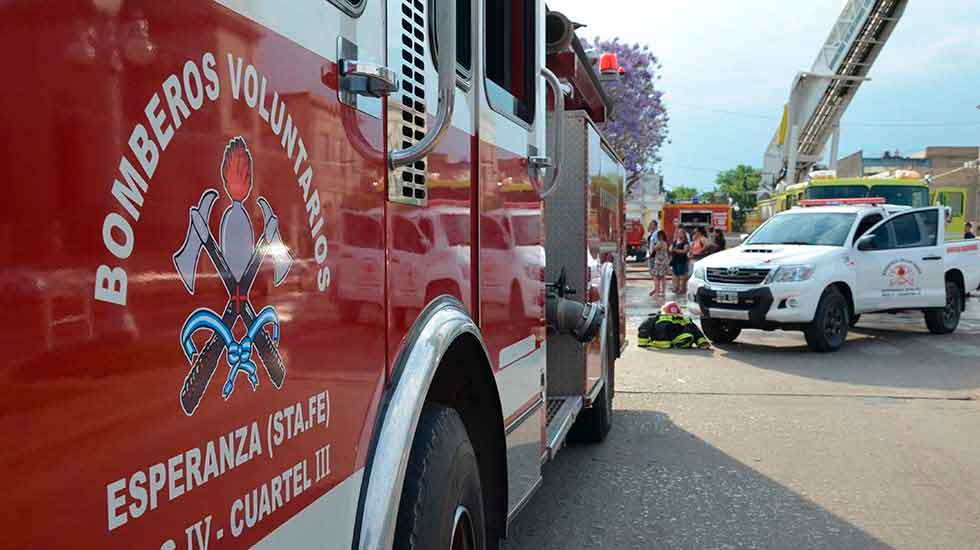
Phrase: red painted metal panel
(91, 389)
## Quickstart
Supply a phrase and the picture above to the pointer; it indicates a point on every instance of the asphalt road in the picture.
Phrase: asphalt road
(763, 444)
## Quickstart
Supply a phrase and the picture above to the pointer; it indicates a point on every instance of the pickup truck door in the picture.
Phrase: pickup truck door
(904, 270)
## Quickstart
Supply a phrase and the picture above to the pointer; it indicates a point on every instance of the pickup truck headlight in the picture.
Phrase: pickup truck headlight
(790, 274)
(698, 273)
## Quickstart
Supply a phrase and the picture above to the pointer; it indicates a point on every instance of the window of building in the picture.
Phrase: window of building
(510, 57)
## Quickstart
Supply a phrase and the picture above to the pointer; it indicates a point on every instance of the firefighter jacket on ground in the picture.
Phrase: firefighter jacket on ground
(670, 331)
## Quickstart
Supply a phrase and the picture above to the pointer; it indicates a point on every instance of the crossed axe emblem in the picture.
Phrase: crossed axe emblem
(238, 282)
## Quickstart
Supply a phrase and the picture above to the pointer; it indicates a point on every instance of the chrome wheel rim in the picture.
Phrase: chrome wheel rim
(462, 537)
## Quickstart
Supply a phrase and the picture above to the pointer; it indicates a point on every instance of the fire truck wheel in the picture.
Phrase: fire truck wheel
(442, 500)
(593, 424)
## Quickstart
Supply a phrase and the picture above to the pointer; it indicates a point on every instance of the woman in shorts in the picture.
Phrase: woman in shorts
(679, 249)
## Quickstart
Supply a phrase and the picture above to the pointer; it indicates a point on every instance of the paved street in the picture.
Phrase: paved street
(763, 444)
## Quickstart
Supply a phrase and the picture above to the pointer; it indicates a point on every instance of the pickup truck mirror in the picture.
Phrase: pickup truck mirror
(866, 242)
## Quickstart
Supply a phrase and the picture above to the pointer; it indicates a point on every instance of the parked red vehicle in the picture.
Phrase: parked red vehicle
(691, 215)
(636, 244)
(272, 268)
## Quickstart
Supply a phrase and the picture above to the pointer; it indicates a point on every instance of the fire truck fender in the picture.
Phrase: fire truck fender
(443, 335)
(608, 336)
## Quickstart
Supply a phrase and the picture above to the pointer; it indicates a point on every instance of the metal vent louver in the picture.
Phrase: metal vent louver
(408, 182)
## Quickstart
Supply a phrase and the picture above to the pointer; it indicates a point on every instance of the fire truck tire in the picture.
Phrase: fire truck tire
(593, 424)
(441, 506)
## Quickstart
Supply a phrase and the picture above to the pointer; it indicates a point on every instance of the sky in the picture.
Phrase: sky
(728, 66)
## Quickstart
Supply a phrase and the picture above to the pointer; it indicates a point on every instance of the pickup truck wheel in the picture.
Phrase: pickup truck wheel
(945, 320)
(442, 500)
(720, 331)
(828, 330)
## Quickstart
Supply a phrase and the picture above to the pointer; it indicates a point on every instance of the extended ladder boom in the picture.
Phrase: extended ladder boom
(819, 97)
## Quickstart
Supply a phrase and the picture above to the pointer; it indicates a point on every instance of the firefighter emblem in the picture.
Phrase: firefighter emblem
(236, 257)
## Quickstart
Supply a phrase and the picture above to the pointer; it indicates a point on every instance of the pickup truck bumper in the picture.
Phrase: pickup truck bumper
(761, 306)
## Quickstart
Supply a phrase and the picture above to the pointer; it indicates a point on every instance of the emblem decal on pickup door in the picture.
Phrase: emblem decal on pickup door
(901, 278)
(236, 258)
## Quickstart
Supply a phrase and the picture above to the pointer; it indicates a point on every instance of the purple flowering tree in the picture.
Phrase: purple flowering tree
(638, 126)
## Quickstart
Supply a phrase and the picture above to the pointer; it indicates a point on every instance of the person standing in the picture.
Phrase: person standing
(679, 250)
(651, 239)
(720, 240)
(659, 263)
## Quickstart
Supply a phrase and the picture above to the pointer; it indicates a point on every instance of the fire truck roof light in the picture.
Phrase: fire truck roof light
(608, 63)
(842, 202)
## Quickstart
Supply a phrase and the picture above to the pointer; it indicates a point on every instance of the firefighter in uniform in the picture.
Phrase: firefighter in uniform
(671, 329)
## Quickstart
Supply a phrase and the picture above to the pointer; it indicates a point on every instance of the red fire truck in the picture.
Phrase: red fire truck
(691, 215)
(298, 274)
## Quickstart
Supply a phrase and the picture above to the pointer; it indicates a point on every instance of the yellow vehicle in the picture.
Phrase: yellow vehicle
(903, 189)
(791, 196)
(959, 190)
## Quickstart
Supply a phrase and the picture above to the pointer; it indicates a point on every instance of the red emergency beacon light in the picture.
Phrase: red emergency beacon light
(842, 202)
(609, 64)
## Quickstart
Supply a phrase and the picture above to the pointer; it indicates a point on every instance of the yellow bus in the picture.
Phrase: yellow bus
(901, 190)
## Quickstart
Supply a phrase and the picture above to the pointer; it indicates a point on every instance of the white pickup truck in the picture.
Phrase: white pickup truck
(818, 268)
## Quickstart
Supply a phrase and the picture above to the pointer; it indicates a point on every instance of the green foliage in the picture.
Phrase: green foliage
(682, 193)
(740, 183)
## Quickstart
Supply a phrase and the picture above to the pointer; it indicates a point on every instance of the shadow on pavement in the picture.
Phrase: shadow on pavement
(655, 485)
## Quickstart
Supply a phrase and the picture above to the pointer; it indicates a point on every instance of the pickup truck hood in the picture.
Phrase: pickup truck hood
(770, 255)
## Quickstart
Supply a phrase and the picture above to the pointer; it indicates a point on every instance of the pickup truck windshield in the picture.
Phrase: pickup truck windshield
(805, 229)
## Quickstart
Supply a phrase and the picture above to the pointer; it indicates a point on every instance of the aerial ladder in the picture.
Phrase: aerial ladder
(819, 97)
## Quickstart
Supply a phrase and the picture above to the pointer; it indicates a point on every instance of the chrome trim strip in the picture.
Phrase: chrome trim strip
(523, 417)
(607, 275)
(563, 423)
(523, 503)
(590, 397)
(439, 325)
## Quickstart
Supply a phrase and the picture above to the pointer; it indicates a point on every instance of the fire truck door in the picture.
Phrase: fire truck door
(430, 132)
(511, 257)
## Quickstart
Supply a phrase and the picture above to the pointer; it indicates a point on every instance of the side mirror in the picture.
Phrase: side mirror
(866, 242)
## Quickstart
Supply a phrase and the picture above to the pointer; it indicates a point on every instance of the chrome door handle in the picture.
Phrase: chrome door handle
(537, 164)
(368, 79)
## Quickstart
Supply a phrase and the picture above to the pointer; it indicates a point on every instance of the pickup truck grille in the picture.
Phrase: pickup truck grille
(737, 275)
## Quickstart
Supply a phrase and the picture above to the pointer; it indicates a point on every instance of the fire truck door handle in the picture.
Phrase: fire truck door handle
(446, 29)
(367, 79)
(537, 164)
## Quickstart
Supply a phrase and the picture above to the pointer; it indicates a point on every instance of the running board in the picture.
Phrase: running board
(561, 416)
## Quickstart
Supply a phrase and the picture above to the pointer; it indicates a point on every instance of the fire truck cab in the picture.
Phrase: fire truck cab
(286, 274)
